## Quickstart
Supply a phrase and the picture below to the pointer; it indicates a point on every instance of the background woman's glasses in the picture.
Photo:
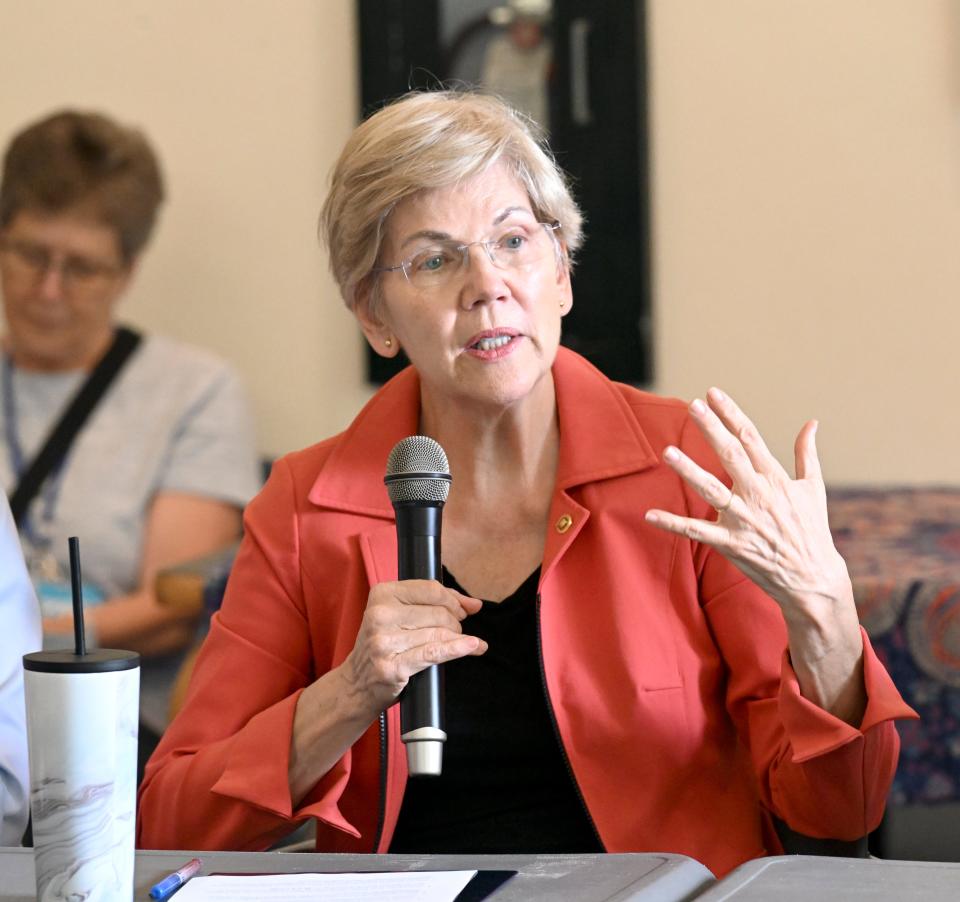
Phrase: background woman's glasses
(29, 260)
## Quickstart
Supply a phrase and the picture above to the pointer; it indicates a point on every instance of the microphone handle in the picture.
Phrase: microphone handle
(421, 702)
(418, 540)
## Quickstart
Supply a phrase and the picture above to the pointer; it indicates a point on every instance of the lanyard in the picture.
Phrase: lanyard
(50, 493)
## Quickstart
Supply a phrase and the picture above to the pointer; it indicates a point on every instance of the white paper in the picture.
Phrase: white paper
(398, 886)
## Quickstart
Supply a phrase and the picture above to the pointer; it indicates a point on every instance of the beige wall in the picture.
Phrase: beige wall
(807, 222)
(806, 178)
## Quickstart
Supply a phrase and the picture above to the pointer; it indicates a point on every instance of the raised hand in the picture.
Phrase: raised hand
(774, 528)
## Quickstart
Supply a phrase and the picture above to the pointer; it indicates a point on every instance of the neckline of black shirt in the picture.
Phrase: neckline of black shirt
(505, 786)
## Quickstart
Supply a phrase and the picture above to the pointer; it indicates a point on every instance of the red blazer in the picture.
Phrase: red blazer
(666, 669)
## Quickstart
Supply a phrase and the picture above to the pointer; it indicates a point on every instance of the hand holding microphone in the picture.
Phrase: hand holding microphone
(418, 480)
(414, 624)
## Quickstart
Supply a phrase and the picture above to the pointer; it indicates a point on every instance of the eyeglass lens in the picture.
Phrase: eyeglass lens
(37, 260)
(439, 263)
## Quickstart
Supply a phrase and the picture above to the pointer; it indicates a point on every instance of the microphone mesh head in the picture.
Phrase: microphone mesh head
(417, 470)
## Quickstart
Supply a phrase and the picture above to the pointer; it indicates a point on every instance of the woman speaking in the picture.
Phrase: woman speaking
(644, 650)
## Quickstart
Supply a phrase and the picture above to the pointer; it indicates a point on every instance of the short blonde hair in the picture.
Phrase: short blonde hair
(431, 139)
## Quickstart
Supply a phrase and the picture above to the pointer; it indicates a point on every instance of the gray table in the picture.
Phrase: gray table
(800, 878)
(586, 878)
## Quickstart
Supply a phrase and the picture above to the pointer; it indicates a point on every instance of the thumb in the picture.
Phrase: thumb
(805, 452)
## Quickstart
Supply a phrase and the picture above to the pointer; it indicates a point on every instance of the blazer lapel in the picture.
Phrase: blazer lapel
(352, 477)
(600, 439)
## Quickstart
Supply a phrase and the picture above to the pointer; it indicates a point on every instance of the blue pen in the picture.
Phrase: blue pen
(169, 885)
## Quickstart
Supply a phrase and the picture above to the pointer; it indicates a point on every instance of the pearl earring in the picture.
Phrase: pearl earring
(388, 342)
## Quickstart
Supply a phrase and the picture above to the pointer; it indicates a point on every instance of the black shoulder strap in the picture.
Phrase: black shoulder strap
(61, 437)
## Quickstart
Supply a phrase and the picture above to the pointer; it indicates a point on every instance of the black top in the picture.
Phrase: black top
(506, 786)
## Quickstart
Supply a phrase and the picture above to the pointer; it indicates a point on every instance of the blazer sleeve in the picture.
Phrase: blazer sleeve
(218, 779)
(821, 776)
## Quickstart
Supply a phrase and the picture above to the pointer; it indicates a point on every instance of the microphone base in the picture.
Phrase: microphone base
(424, 751)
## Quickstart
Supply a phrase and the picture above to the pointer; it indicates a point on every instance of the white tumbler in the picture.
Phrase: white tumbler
(82, 715)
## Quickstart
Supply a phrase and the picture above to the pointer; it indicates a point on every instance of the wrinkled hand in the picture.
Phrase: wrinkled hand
(772, 527)
(407, 626)
(775, 530)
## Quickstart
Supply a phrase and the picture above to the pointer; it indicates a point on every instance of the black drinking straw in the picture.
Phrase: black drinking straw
(77, 585)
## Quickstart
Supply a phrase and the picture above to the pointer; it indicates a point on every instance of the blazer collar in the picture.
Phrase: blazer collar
(351, 478)
(600, 437)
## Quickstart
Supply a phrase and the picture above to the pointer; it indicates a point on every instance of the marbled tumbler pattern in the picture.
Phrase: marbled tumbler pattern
(82, 730)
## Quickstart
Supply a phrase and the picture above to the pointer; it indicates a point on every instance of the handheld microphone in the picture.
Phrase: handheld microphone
(418, 480)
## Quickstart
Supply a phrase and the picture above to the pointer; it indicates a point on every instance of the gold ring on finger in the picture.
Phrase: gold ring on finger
(725, 507)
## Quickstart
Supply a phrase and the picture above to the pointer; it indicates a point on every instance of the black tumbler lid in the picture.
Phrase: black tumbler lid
(98, 660)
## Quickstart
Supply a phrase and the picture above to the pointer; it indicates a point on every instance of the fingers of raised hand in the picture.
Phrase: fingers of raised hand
(695, 530)
(807, 461)
(725, 444)
(706, 485)
(736, 434)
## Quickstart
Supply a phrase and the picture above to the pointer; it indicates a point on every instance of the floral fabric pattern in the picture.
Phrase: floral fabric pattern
(902, 548)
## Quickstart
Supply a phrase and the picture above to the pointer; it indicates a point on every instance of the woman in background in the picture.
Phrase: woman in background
(160, 471)
(639, 655)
